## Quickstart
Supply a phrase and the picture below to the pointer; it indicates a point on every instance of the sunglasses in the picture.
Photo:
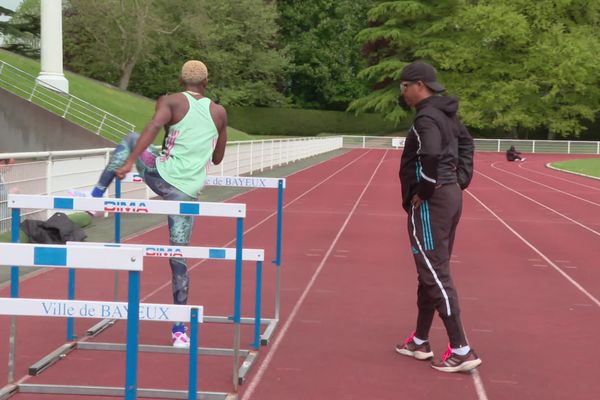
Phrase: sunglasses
(405, 85)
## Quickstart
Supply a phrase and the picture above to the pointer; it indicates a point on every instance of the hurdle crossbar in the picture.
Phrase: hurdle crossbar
(132, 206)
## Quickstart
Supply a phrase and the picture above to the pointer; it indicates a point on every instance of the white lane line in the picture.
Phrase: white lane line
(546, 186)
(482, 330)
(558, 177)
(479, 388)
(535, 249)
(279, 338)
(540, 204)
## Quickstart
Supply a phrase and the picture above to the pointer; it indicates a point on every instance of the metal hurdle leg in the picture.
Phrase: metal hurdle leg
(237, 301)
(14, 293)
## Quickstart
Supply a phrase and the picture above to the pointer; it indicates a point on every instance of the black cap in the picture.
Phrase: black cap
(420, 71)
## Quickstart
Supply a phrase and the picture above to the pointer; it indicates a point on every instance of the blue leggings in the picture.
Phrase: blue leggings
(180, 226)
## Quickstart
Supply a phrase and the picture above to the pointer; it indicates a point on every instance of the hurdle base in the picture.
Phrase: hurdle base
(249, 356)
(51, 358)
(7, 391)
(119, 392)
(150, 348)
(264, 338)
(99, 327)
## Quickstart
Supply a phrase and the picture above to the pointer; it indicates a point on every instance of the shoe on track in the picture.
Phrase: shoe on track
(179, 338)
(79, 193)
(452, 362)
(411, 349)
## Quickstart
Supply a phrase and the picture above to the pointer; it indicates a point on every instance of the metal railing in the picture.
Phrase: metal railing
(63, 104)
(58, 172)
(486, 145)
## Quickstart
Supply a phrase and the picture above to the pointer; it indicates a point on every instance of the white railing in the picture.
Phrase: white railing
(485, 145)
(57, 173)
(65, 105)
(539, 146)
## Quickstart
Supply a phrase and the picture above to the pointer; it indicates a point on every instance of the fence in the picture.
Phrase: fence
(67, 106)
(56, 173)
(487, 145)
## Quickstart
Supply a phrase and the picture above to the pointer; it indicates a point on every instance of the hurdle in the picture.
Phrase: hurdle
(190, 252)
(56, 256)
(239, 182)
(164, 207)
(94, 257)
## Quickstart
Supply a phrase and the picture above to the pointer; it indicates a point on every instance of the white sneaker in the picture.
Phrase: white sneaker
(79, 193)
(180, 340)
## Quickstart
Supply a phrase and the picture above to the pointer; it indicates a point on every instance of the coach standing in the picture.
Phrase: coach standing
(436, 165)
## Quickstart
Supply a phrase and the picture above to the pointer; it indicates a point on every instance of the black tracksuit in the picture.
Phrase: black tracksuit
(437, 164)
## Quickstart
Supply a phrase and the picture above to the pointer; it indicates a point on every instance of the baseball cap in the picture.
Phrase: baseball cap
(420, 71)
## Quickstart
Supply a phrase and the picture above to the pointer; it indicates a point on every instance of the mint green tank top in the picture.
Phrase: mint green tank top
(188, 148)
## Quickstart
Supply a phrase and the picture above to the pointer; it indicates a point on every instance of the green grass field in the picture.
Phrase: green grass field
(588, 166)
(131, 107)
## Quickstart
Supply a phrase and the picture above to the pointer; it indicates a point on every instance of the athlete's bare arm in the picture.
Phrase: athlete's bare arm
(219, 116)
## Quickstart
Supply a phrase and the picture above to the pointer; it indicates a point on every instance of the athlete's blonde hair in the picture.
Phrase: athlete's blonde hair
(193, 72)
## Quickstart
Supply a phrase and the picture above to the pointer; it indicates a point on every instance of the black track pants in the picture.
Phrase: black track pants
(431, 228)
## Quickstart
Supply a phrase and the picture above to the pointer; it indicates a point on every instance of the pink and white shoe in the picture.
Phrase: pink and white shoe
(180, 340)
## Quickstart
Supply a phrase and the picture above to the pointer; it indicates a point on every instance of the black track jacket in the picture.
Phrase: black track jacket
(438, 150)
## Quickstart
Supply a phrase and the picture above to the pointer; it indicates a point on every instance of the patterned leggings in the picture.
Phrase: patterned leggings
(180, 226)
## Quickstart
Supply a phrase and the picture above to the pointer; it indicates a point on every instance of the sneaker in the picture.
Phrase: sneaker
(79, 193)
(452, 362)
(179, 337)
(411, 349)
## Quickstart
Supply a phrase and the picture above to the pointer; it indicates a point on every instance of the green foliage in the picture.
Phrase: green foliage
(106, 39)
(290, 121)
(22, 32)
(318, 36)
(238, 41)
(515, 64)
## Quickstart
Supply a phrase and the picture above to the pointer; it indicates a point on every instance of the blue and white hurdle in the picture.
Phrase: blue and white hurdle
(136, 206)
(94, 257)
(249, 182)
(189, 252)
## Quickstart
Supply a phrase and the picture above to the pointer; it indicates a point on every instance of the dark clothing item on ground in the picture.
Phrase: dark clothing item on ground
(58, 229)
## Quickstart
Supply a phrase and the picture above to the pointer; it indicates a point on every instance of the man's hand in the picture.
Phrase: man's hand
(124, 170)
(416, 201)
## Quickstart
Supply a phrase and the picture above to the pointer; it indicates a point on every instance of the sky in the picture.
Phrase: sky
(10, 4)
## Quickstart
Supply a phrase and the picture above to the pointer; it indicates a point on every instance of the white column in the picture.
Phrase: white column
(52, 46)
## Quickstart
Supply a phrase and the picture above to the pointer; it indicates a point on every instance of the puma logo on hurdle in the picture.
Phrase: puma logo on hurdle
(163, 252)
(125, 206)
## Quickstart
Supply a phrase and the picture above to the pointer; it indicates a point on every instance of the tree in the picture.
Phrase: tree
(108, 38)
(22, 32)
(319, 37)
(516, 64)
(239, 41)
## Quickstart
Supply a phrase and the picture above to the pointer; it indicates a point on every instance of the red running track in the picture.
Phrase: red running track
(524, 263)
